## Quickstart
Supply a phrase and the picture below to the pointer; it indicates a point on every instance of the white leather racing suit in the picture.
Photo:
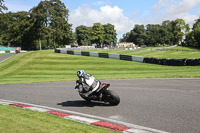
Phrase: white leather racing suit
(87, 84)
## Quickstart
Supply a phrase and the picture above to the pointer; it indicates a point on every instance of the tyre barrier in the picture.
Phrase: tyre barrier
(103, 55)
(85, 53)
(159, 61)
(7, 51)
(126, 57)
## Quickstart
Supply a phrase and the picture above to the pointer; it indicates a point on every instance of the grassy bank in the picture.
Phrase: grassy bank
(47, 66)
(15, 120)
(179, 54)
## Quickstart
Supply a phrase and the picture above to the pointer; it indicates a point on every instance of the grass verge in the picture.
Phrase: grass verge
(47, 66)
(15, 120)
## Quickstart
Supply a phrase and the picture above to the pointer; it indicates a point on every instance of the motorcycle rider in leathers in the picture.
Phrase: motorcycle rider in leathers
(86, 83)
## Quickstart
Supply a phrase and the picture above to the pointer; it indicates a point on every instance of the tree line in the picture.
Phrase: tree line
(98, 34)
(175, 32)
(44, 26)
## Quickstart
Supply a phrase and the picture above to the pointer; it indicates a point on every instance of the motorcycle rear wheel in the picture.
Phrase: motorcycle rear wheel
(112, 97)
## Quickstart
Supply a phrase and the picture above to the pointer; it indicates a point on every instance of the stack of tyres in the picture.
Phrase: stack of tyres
(103, 55)
(155, 60)
(180, 62)
(192, 62)
(163, 61)
(126, 57)
(57, 50)
(70, 52)
(85, 53)
(147, 60)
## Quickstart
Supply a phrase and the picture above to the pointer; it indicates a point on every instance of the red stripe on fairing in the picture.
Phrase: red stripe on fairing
(110, 126)
(20, 105)
(58, 113)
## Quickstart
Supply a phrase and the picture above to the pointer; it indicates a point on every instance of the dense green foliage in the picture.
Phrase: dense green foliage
(175, 32)
(83, 35)
(193, 37)
(98, 34)
(44, 26)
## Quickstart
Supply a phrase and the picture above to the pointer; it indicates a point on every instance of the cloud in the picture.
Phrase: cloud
(161, 11)
(161, 4)
(87, 16)
(173, 9)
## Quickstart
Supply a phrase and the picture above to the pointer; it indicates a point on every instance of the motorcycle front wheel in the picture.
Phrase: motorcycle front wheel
(85, 98)
(112, 97)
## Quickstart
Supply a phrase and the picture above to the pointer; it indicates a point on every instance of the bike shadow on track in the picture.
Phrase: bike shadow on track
(82, 103)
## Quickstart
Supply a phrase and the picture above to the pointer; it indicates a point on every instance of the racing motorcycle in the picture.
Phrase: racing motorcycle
(102, 94)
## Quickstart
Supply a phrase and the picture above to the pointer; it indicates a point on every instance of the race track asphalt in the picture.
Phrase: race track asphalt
(5, 56)
(171, 105)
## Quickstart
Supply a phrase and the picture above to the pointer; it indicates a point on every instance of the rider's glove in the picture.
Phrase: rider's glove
(79, 88)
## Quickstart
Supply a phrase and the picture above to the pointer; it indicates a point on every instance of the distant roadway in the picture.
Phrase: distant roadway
(5, 57)
(171, 105)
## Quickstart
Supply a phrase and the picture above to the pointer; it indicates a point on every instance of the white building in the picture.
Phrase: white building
(125, 44)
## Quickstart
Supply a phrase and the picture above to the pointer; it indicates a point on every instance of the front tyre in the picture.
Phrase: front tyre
(85, 98)
(112, 97)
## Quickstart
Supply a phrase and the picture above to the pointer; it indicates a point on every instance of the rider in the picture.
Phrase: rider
(86, 83)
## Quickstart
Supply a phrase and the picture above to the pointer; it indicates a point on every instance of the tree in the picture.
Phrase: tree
(193, 37)
(196, 32)
(109, 34)
(138, 35)
(62, 31)
(83, 35)
(15, 30)
(125, 37)
(197, 22)
(4, 22)
(20, 30)
(190, 40)
(153, 34)
(180, 28)
(167, 32)
(50, 20)
(97, 33)
(2, 6)
(41, 19)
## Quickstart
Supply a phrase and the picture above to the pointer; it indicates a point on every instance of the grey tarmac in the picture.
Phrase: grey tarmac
(171, 105)
(5, 57)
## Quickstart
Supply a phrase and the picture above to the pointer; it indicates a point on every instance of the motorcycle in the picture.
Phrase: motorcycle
(102, 94)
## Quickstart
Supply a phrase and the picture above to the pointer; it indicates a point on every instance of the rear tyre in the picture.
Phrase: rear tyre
(112, 97)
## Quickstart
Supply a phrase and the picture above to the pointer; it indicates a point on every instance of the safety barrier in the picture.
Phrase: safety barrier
(160, 61)
(7, 51)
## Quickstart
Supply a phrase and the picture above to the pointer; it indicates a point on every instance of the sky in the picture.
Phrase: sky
(123, 14)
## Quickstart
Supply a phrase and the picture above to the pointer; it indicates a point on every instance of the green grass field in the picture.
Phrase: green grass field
(15, 120)
(47, 66)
